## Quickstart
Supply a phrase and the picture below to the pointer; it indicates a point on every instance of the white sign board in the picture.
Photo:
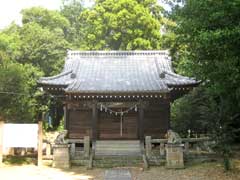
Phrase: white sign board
(20, 135)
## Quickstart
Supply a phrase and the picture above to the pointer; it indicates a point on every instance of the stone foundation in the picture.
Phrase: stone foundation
(61, 156)
(174, 156)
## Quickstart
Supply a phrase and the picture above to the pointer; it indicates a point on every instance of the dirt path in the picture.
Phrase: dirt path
(206, 171)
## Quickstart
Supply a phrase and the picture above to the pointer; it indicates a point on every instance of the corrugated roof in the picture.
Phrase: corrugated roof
(117, 72)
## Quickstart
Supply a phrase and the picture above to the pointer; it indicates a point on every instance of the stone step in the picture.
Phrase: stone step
(118, 142)
(118, 148)
(118, 153)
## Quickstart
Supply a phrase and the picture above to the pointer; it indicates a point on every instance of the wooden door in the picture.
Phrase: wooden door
(112, 127)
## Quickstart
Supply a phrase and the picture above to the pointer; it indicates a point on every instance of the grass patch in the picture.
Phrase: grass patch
(19, 160)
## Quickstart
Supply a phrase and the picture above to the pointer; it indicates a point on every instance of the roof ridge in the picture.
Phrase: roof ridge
(72, 53)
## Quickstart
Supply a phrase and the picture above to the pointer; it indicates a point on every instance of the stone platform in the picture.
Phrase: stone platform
(61, 156)
(174, 156)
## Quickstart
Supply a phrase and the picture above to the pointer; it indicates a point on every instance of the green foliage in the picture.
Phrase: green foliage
(207, 39)
(121, 25)
(10, 43)
(43, 48)
(19, 160)
(193, 112)
(72, 9)
(46, 18)
(17, 91)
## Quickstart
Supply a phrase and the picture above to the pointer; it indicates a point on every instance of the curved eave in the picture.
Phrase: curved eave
(189, 84)
(58, 80)
(176, 80)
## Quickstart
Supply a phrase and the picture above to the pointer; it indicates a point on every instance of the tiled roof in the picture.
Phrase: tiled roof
(117, 72)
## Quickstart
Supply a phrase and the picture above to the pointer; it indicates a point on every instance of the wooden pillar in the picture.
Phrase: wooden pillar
(140, 121)
(40, 138)
(1, 142)
(66, 115)
(168, 113)
(94, 121)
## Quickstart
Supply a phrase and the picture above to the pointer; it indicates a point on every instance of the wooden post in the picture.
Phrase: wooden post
(1, 142)
(94, 121)
(168, 113)
(65, 115)
(86, 146)
(40, 138)
(140, 121)
(148, 145)
(162, 149)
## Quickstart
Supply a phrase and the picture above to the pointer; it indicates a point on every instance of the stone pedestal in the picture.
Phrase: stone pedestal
(174, 156)
(61, 156)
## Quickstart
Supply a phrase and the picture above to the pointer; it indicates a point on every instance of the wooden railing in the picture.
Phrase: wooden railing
(186, 141)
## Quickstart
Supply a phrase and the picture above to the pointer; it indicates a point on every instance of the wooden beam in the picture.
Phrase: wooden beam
(40, 139)
(94, 121)
(1, 142)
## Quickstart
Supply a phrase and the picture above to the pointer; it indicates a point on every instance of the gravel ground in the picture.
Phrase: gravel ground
(205, 171)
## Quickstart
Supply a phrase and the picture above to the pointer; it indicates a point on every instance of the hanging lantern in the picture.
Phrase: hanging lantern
(116, 113)
(105, 109)
(101, 107)
(121, 113)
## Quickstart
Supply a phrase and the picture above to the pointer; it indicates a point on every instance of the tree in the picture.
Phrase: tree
(46, 19)
(9, 43)
(43, 48)
(208, 37)
(71, 10)
(18, 89)
(121, 25)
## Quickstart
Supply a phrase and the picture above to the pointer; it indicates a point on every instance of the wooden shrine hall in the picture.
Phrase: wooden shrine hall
(117, 95)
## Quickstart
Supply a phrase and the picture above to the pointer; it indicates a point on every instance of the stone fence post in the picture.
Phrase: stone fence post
(86, 142)
(72, 149)
(148, 146)
(186, 147)
(162, 149)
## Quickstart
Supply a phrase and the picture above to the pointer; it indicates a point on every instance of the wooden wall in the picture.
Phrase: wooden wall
(156, 119)
(155, 124)
(79, 123)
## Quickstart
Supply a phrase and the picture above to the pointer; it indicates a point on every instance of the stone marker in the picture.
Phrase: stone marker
(117, 174)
